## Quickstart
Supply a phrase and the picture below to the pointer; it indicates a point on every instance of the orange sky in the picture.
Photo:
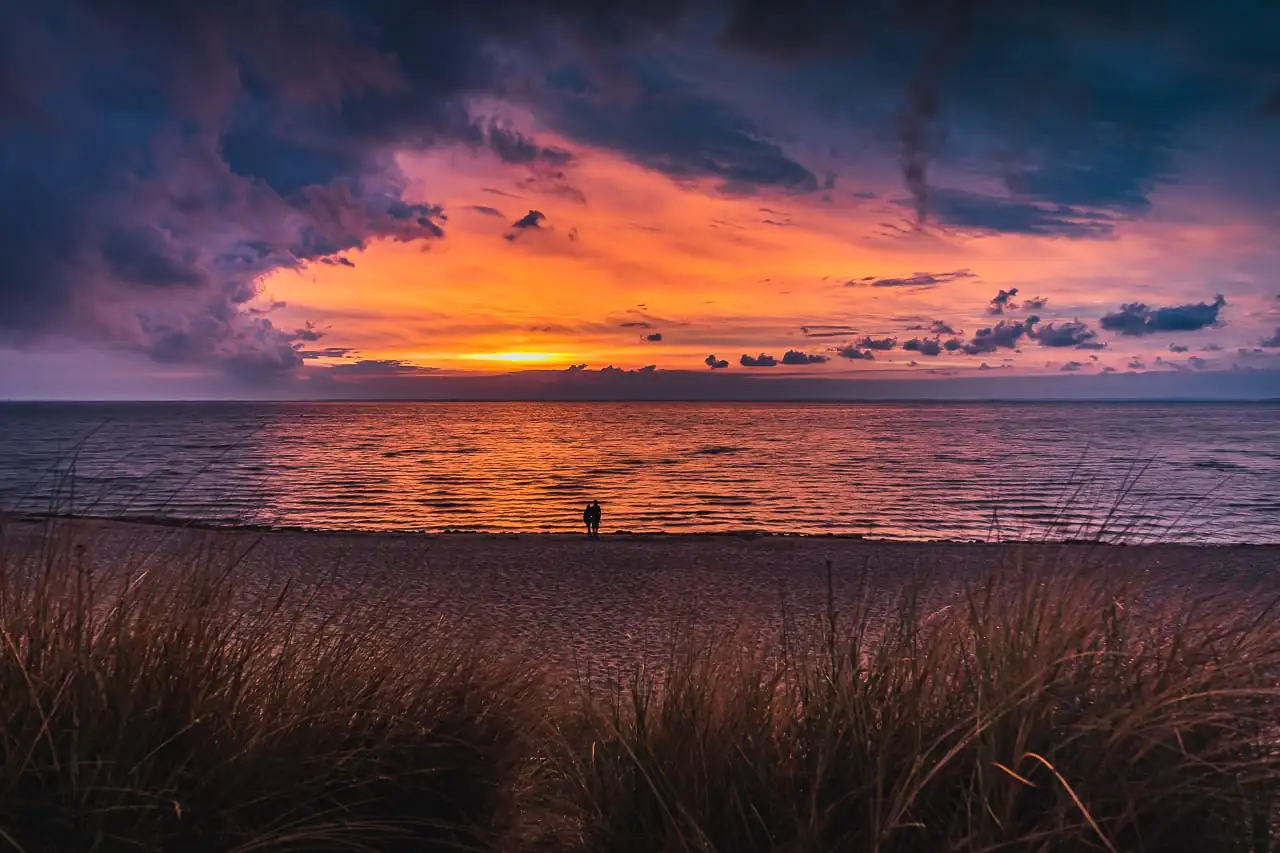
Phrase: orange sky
(711, 272)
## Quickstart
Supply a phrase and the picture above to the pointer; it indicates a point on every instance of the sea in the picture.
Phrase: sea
(989, 471)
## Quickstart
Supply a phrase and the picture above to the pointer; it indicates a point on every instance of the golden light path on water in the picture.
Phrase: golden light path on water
(919, 471)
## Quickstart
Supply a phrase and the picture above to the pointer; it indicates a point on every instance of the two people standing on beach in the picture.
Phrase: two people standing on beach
(591, 518)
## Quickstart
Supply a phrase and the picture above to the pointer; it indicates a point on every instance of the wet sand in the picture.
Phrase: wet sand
(606, 602)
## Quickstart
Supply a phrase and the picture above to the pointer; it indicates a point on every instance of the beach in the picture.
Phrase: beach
(605, 604)
(559, 692)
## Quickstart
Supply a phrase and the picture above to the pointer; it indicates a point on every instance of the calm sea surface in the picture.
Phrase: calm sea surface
(1191, 472)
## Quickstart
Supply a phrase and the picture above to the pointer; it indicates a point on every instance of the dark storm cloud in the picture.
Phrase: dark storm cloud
(760, 360)
(715, 363)
(953, 344)
(512, 146)
(880, 344)
(661, 123)
(1089, 135)
(795, 357)
(1179, 348)
(1136, 318)
(159, 159)
(919, 279)
(654, 338)
(924, 100)
(852, 353)
(1073, 334)
(924, 346)
(1092, 132)
(1002, 300)
(1273, 341)
(1072, 366)
(176, 157)
(985, 214)
(487, 211)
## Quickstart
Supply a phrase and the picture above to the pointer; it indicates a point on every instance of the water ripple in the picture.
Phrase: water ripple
(1209, 473)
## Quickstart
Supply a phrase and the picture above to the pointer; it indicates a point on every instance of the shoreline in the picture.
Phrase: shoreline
(214, 526)
(613, 603)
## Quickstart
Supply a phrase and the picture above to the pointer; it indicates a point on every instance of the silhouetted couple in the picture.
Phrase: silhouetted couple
(591, 518)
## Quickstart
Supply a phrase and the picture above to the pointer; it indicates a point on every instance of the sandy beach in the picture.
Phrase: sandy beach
(467, 655)
(608, 602)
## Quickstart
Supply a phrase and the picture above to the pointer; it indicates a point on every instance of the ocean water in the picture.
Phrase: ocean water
(1134, 471)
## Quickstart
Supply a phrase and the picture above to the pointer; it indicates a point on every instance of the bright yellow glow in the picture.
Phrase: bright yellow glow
(518, 357)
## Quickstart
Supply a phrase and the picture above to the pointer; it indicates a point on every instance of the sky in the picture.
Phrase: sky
(703, 199)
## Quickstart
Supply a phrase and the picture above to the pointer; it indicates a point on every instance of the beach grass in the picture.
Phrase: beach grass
(170, 707)
(183, 705)
(1034, 713)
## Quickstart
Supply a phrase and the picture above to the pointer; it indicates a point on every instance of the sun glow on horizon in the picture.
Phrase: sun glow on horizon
(516, 357)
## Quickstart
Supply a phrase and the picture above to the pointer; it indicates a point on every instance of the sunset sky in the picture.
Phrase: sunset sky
(682, 199)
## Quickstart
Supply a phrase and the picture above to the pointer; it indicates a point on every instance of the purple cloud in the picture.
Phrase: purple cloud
(1136, 318)
(1002, 300)
(919, 279)
(1073, 334)
(924, 346)
(760, 360)
(795, 357)
(532, 219)
(1004, 335)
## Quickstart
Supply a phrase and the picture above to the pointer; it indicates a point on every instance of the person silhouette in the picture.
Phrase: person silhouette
(595, 518)
(587, 516)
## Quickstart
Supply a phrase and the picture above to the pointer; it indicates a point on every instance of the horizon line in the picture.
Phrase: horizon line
(598, 400)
